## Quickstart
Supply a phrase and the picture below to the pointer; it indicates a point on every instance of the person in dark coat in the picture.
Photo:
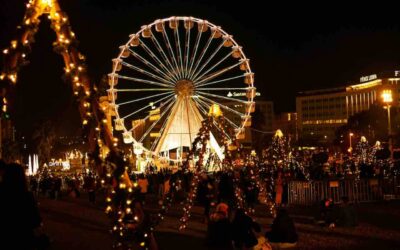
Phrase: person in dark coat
(283, 230)
(243, 228)
(219, 230)
(346, 215)
(19, 214)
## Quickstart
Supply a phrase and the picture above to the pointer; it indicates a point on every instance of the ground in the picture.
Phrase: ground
(74, 223)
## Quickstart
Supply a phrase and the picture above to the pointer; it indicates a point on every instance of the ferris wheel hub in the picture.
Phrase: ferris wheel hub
(184, 88)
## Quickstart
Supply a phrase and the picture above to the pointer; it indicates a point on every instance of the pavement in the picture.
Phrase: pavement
(75, 224)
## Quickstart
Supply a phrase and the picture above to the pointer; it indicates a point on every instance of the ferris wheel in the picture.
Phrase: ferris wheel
(167, 76)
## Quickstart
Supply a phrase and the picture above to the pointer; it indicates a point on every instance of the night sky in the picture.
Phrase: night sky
(291, 47)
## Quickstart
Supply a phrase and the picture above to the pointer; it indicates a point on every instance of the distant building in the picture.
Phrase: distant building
(287, 122)
(265, 109)
(321, 112)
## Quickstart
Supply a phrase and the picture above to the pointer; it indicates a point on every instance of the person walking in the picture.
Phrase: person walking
(244, 229)
(19, 214)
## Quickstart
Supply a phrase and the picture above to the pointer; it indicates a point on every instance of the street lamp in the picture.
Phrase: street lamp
(350, 148)
(388, 99)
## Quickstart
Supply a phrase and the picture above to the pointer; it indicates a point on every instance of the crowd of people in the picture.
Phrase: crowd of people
(56, 185)
(228, 227)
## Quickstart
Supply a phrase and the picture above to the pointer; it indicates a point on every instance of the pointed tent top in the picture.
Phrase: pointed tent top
(279, 133)
(215, 110)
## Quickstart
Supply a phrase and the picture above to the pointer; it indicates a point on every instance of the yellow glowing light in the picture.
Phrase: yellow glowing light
(14, 44)
(108, 199)
(5, 51)
(122, 185)
(108, 209)
(387, 96)
(215, 110)
(128, 202)
(87, 93)
(279, 133)
(46, 3)
(2, 76)
(13, 78)
(135, 184)
(85, 122)
(142, 244)
(128, 210)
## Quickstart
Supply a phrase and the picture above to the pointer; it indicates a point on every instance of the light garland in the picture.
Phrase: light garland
(15, 56)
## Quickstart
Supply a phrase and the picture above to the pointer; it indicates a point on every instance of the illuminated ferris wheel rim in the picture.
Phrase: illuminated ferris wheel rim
(214, 28)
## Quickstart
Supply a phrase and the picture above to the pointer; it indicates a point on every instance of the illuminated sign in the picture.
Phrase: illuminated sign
(368, 78)
(238, 94)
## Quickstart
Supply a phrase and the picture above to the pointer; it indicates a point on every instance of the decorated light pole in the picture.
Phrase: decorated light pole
(387, 99)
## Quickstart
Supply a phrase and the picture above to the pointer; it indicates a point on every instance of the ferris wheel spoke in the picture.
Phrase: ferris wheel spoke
(153, 146)
(171, 52)
(134, 79)
(149, 105)
(145, 72)
(137, 125)
(231, 122)
(164, 55)
(221, 105)
(195, 48)
(179, 51)
(222, 80)
(155, 122)
(195, 74)
(193, 111)
(143, 90)
(221, 97)
(187, 50)
(156, 59)
(220, 89)
(143, 98)
(216, 74)
(148, 116)
(149, 64)
(203, 52)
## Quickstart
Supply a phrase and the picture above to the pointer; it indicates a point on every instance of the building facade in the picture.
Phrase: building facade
(264, 112)
(321, 112)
